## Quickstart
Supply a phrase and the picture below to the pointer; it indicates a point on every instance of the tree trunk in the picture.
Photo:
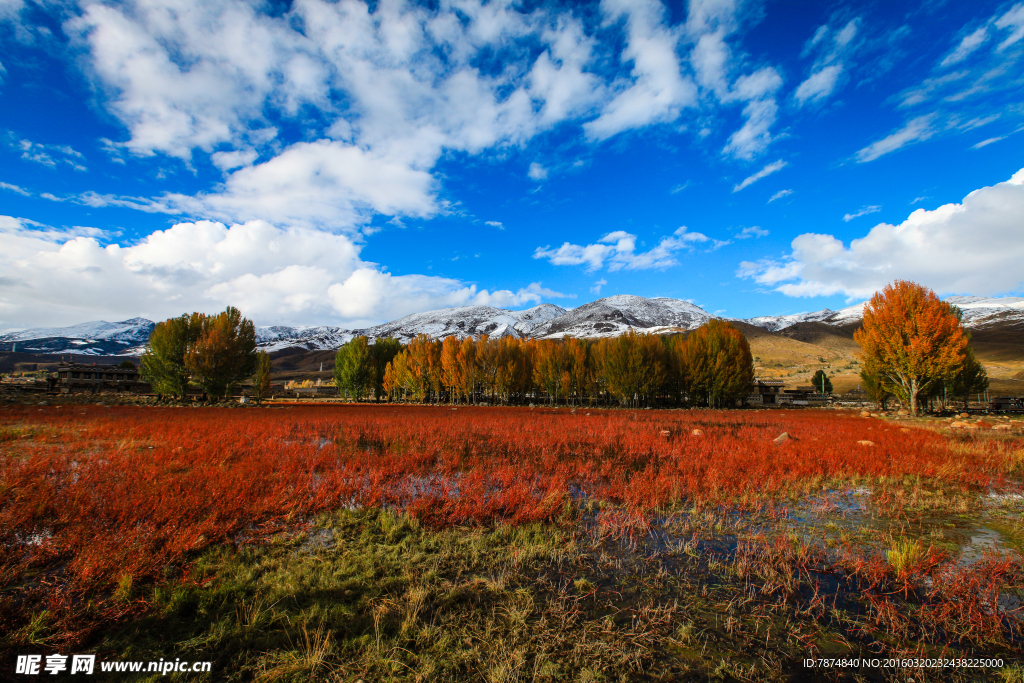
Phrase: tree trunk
(913, 397)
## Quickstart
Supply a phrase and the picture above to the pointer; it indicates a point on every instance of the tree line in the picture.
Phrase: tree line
(711, 366)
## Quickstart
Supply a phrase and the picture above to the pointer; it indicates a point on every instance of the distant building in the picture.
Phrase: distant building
(83, 377)
(764, 391)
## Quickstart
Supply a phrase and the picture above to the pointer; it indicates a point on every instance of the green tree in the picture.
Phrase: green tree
(353, 367)
(127, 365)
(969, 378)
(261, 378)
(382, 352)
(877, 385)
(822, 384)
(163, 362)
(224, 353)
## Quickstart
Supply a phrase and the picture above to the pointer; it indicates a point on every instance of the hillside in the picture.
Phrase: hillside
(790, 347)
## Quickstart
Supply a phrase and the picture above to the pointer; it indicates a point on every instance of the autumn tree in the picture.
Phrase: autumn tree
(261, 377)
(679, 378)
(451, 369)
(353, 367)
(423, 361)
(717, 357)
(633, 366)
(514, 376)
(469, 371)
(912, 337)
(580, 363)
(224, 353)
(550, 362)
(396, 377)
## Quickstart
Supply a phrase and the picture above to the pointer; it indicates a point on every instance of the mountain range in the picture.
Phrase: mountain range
(607, 317)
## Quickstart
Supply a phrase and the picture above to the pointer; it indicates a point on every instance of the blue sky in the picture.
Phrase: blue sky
(339, 163)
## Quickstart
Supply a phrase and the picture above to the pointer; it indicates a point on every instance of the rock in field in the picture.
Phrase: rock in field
(865, 442)
(782, 438)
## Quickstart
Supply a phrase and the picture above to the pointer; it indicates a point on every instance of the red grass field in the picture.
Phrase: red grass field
(103, 493)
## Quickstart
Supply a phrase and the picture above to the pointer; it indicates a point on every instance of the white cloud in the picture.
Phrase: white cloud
(227, 161)
(537, 172)
(596, 289)
(755, 136)
(751, 231)
(833, 48)
(47, 155)
(974, 247)
(863, 211)
(779, 195)
(763, 173)
(15, 189)
(1013, 20)
(322, 183)
(914, 131)
(819, 84)
(9, 9)
(989, 141)
(495, 224)
(274, 275)
(617, 250)
(969, 44)
(656, 91)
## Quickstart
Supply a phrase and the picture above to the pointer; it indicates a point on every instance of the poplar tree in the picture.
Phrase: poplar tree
(163, 361)
(261, 377)
(353, 367)
(720, 365)
(382, 351)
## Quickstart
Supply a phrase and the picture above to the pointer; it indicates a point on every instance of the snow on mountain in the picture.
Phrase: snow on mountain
(134, 330)
(606, 317)
(99, 338)
(467, 321)
(277, 337)
(774, 323)
(850, 314)
(614, 315)
(980, 311)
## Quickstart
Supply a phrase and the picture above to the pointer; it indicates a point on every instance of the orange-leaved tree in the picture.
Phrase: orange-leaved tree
(911, 337)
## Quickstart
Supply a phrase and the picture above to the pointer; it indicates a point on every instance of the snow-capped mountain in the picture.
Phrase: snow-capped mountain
(978, 312)
(614, 315)
(276, 337)
(100, 338)
(468, 321)
(774, 323)
(606, 317)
